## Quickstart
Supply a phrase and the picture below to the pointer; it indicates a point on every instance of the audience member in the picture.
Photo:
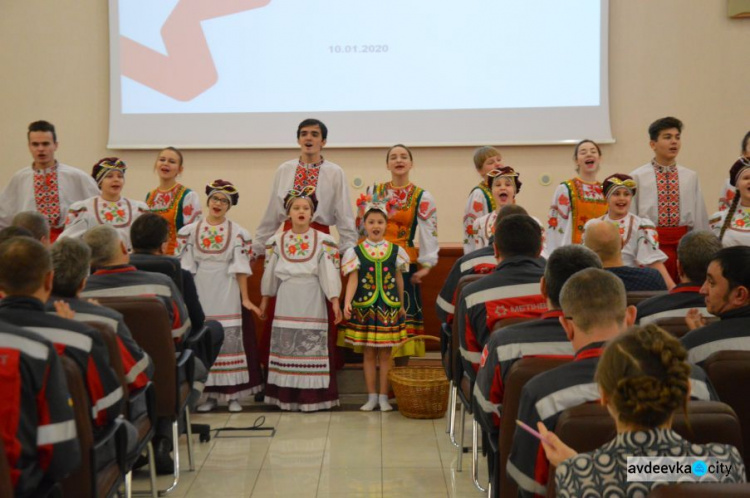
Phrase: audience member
(26, 280)
(727, 293)
(39, 431)
(510, 291)
(11, 231)
(604, 239)
(595, 311)
(694, 253)
(481, 261)
(643, 379)
(47, 186)
(70, 261)
(545, 336)
(36, 223)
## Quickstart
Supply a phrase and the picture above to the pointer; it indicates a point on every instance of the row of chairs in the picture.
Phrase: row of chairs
(711, 421)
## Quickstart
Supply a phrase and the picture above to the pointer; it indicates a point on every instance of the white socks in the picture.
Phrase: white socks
(385, 406)
(372, 400)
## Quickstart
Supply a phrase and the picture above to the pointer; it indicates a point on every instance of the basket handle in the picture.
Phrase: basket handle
(413, 338)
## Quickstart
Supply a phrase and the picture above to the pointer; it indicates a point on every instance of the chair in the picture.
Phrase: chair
(589, 426)
(635, 297)
(677, 326)
(520, 373)
(140, 407)
(6, 484)
(450, 364)
(729, 372)
(697, 490)
(457, 378)
(148, 321)
(99, 474)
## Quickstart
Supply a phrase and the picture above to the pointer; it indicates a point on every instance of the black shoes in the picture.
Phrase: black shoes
(164, 462)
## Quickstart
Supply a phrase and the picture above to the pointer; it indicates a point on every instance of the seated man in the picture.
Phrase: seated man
(36, 223)
(604, 239)
(39, 430)
(594, 307)
(476, 262)
(11, 231)
(26, 280)
(510, 291)
(70, 259)
(117, 278)
(694, 252)
(727, 293)
(541, 337)
(149, 236)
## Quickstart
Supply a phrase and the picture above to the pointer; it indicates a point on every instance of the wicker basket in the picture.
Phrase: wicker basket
(421, 392)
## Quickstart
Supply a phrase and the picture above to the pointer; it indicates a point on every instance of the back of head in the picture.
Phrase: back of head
(695, 252)
(70, 260)
(663, 124)
(594, 298)
(509, 210)
(645, 376)
(603, 237)
(33, 221)
(518, 235)
(562, 264)
(44, 126)
(24, 263)
(14, 231)
(735, 265)
(104, 243)
(148, 232)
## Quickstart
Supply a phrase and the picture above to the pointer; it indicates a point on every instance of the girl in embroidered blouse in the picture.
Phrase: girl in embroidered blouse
(640, 242)
(217, 251)
(576, 200)
(373, 302)
(732, 226)
(109, 207)
(643, 379)
(176, 203)
(728, 191)
(412, 214)
(302, 271)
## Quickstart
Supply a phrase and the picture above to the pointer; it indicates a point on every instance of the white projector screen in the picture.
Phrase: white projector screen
(243, 73)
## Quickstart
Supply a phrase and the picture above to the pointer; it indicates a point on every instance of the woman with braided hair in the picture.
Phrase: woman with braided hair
(107, 208)
(732, 226)
(217, 252)
(643, 378)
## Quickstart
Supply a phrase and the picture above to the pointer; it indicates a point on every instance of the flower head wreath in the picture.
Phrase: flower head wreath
(304, 193)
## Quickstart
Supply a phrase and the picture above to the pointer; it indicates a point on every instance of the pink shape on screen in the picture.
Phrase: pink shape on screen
(188, 68)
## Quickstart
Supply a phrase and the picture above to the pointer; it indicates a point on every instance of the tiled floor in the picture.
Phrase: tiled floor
(337, 454)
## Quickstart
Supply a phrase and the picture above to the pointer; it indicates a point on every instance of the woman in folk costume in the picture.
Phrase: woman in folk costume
(412, 213)
(728, 191)
(217, 251)
(576, 200)
(107, 208)
(374, 298)
(302, 272)
(480, 201)
(640, 242)
(505, 184)
(733, 225)
(175, 203)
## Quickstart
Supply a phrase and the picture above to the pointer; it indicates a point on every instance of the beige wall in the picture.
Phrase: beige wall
(667, 57)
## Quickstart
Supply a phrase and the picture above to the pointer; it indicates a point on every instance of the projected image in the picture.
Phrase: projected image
(308, 56)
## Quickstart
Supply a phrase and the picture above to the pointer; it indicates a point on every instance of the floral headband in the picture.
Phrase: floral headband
(613, 182)
(225, 188)
(505, 171)
(737, 168)
(304, 193)
(103, 167)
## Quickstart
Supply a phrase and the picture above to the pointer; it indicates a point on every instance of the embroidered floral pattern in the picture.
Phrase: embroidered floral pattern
(213, 237)
(297, 245)
(118, 214)
(46, 194)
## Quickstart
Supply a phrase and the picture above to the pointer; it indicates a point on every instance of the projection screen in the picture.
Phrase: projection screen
(243, 73)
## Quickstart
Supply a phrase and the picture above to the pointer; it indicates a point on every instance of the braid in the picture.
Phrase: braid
(730, 215)
(650, 379)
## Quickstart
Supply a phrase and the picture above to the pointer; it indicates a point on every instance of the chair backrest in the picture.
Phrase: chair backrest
(674, 325)
(6, 484)
(79, 482)
(729, 372)
(166, 265)
(115, 359)
(587, 427)
(457, 367)
(635, 297)
(507, 322)
(148, 321)
(697, 490)
(520, 373)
